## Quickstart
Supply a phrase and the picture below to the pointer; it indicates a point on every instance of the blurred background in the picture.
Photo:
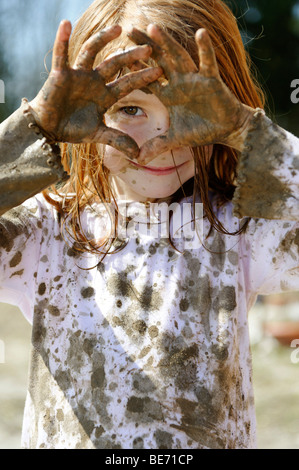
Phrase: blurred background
(270, 32)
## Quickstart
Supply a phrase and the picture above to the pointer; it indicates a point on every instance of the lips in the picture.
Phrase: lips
(167, 170)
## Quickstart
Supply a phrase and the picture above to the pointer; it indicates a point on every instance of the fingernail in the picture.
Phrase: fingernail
(200, 33)
(143, 161)
(65, 21)
(64, 34)
(139, 160)
(112, 28)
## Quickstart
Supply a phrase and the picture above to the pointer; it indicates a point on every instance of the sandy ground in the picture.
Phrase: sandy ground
(15, 334)
(276, 384)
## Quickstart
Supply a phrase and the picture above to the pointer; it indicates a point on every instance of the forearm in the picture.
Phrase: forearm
(268, 173)
(28, 164)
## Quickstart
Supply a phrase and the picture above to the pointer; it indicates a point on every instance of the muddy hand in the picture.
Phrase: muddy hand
(202, 109)
(71, 105)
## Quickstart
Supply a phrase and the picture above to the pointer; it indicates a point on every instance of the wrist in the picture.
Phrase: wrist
(31, 113)
(30, 117)
(237, 138)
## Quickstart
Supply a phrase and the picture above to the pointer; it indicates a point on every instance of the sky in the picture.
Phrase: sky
(27, 33)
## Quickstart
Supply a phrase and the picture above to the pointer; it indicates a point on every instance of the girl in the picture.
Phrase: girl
(138, 342)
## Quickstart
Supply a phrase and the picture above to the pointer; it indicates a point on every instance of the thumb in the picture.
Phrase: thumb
(154, 147)
(118, 140)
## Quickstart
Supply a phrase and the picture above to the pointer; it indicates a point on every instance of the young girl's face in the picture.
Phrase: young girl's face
(143, 116)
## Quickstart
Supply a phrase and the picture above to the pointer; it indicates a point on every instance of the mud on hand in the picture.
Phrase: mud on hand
(71, 105)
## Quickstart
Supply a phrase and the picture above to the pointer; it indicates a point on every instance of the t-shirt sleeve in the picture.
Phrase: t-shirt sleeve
(270, 257)
(268, 173)
(28, 163)
(268, 192)
(20, 242)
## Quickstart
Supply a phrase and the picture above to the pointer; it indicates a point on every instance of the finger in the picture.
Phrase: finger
(208, 66)
(154, 147)
(134, 81)
(175, 54)
(166, 51)
(112, 65)
(156, 88)
(139, 37)
(93, 45)
(61, 44)
(118, 140)
(138, 65)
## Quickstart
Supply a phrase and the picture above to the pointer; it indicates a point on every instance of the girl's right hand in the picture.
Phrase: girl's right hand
(71, 105)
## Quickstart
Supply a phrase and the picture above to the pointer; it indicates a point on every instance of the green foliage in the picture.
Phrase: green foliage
(270, 31)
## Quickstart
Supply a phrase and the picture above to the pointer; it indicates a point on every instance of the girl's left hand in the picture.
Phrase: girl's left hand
(202, 109)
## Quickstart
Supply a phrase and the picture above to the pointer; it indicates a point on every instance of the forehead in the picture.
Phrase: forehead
(143, 98)
(140, 96)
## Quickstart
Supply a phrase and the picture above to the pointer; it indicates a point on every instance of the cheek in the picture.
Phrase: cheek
(121, 124)
(141, 129)
(188, 172)
(114, 160)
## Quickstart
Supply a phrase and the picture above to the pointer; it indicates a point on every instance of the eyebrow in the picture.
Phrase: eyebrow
(138, 100)
(126, 101)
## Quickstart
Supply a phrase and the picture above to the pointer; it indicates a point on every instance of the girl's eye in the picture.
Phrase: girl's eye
(132, 110)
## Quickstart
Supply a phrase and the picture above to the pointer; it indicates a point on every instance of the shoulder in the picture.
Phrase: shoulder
(223, 213)
(33, 216)
(256, 228)
(37, 209)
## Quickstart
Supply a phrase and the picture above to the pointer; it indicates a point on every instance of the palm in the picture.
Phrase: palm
(75, 104)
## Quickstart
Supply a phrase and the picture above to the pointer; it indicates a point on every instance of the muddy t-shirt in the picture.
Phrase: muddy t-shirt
(148, 348)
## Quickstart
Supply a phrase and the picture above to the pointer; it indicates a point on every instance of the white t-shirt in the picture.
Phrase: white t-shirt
(150, 347)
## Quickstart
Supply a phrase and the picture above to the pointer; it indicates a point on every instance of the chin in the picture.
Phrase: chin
(160, 194)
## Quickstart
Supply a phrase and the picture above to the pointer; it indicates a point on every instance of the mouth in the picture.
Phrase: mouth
(166, 170)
